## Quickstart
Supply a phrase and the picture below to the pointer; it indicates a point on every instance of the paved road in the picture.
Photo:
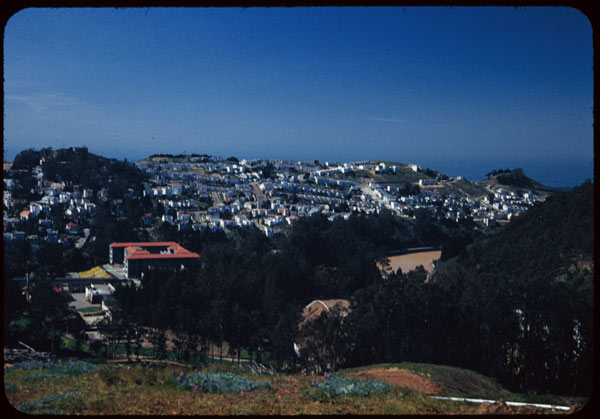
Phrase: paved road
(79, 244)
(80, 301)
(117, 272)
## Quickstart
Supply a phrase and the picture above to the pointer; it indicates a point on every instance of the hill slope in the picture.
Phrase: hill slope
(83, 388)
(515, 180)
(527, 292)
(77, 166)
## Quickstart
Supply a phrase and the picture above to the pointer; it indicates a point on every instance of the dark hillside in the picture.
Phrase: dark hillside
(516, 179)
(516, 306)
(527, 293)
(549, 236)
(77, 166)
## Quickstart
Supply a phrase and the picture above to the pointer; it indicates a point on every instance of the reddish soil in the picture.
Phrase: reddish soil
(501, 408)
(401, 378)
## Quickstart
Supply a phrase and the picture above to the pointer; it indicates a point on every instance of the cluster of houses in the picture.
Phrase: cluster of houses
(76, 203)
(211, 193)
(241, 196)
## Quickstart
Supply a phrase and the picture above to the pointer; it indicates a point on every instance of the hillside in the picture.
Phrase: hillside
(143, 388)
(531, 283)
(77, 166)
(517, 181)
(554, 236)
(513, 180)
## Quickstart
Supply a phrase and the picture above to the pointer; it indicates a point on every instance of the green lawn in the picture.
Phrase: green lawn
(93, 309)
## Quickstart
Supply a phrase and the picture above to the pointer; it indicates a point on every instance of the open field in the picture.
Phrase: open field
(410, 261)
(146, 388)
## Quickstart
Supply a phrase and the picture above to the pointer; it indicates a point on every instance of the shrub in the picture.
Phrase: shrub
(218, 382)
(110, 377)
(10, 387)
(144, 376)
(74, 367)
(49, 412)
(28, 365)
(336, 386)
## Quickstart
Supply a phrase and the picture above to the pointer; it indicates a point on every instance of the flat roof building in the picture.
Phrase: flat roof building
(139, 256)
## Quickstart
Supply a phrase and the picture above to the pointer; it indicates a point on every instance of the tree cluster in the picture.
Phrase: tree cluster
(516, 306)
(497, 172)
(250, 289)
(76, 166)
(41, 320)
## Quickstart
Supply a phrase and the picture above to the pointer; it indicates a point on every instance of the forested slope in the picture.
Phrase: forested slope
(525, 297)
(516, 306)
(77, 166)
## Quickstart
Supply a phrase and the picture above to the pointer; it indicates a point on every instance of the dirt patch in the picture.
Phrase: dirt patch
(400, 378)
(501, 408)
(410, 261)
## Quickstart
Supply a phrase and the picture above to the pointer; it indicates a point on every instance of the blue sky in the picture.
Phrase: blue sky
(461, 90)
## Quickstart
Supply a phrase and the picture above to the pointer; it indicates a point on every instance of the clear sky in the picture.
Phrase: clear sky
(463, 90)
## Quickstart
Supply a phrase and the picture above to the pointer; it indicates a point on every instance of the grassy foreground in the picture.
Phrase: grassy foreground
(150, 389)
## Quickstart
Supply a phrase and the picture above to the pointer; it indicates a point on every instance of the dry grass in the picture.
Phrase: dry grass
(150, 390)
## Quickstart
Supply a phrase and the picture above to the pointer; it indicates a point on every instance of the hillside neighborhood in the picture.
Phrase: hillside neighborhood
(211, 193)
(287, 266)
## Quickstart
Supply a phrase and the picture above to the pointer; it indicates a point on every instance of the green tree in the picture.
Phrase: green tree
(47, 313)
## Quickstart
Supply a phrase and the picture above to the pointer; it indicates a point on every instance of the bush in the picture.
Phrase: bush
(10, 387)
(28, 365)
(111, 377)
(218, 382)
(336, 386)
(144, 376)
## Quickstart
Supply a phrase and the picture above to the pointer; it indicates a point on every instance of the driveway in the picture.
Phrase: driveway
(115, 270)
(80, 301)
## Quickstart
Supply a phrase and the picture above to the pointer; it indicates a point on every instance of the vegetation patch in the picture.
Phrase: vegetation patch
(10, 387)
(218, 382)
(40, 376)
(152, 389)
(460, 382)
(94, 309)
(70, 367)
(42, 406)
(335, 386)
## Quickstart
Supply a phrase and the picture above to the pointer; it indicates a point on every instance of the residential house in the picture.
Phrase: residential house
(72, 228)
(147, 218)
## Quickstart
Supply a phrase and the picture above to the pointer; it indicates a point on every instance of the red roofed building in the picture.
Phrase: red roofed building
(139, 256)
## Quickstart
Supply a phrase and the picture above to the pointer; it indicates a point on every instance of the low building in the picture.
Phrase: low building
(139, 256)
(95, 293)
(72, 228)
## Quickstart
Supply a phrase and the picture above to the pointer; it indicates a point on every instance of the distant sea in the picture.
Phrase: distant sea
(559, 173)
